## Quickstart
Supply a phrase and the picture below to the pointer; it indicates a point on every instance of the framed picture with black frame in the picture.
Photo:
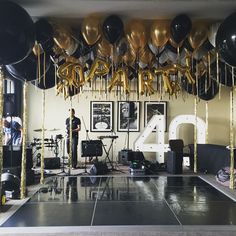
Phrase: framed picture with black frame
(101, 116)
(155, 108)
(128, 116)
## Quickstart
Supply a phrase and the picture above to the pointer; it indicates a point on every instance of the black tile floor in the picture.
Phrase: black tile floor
(122, 200)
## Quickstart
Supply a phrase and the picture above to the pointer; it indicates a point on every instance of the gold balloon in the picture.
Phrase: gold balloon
(120, 78)
(98, 68)
(62, 37)
(129, 58)
(104, 48)
(160, 32)
(145, 80)
(146, 56)
(136, 35)
(198, 34)
(91, 29)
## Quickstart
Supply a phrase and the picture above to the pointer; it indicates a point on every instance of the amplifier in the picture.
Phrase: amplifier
(91, 148)
(52, 163)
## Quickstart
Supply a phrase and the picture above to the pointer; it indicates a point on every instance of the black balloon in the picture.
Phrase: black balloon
(17, 34)
(180, 27)
(113, 28)
(28, 68)
(49, 79)
(207, 90)
(226, 40)
(44, 34)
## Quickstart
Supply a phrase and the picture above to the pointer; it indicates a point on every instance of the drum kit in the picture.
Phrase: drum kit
(53, 143)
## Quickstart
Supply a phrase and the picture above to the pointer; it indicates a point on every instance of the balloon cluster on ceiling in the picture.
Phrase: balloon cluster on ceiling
(160, 56)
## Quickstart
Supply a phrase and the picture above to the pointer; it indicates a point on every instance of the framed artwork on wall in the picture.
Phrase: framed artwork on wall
(101, 116)
(128, 116)
(155, 108)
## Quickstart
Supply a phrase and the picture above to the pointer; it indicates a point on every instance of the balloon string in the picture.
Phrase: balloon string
(195, 135)
(217, 74)
(44, 69)
(1, 131)
(70, 136)
(206, 122)
(232, 180)
(39, 66)
(24, 138)
(43, 136)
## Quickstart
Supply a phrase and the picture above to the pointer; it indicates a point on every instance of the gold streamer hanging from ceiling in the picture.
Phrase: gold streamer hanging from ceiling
(232, 180)
(24, 138)
(195, 135)
(1, 131)
(43, 136)
(207, 125)
(70, 133)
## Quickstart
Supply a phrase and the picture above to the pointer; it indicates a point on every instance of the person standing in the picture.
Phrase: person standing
(76, 126)
(13, 132)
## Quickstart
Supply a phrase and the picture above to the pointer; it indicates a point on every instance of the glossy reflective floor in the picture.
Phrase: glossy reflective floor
(120, 200)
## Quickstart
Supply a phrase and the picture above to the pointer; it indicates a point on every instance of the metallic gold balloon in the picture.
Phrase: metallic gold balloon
(99, 68)
(129, 58)
(146, 56)
(198, 34)
(145, 80)
(160, 32)
(62, 37)
(120, 78)
(104, 48)
(91, 29)
(136, 34)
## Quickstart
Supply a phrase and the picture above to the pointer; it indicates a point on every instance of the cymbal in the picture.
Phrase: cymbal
(39, 130)
(54, 129)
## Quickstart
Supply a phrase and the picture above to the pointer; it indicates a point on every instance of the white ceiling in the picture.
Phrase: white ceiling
(147, 9)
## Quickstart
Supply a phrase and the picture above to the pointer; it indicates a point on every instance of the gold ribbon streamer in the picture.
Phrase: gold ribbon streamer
(232, 181)
(70, 146)
(1, 131)
(195, 135)
(43, 135)
(24, 138)
(206, 122)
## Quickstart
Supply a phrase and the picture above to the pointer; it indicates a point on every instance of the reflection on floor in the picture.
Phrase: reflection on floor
(125, 200)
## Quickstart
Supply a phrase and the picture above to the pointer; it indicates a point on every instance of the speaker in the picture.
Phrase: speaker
(99, 168)
(91, 148)
(9, 104)
(174, 163)
(11, 183)
(52, 163)
(124, 156)
(12, 158)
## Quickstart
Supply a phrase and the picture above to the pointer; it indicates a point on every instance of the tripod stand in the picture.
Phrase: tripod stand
(63, 172)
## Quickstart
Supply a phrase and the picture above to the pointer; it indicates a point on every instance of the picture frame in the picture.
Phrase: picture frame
(101, 116)
(128, 116)
(155, 108)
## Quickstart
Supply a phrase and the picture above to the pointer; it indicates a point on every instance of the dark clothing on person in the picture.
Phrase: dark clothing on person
(75, 138)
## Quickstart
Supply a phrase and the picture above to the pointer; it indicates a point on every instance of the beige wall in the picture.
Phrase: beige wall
(57, 111)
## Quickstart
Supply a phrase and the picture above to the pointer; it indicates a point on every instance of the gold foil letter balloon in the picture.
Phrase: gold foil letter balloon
(91, 29)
